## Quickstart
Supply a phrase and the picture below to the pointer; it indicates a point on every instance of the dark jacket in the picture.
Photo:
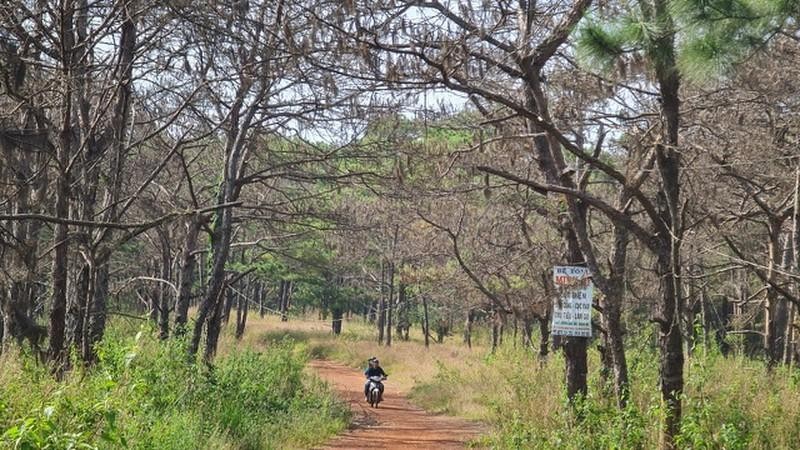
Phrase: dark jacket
(375, 372)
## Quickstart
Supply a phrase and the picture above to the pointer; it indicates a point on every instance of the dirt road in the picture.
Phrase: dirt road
(396, 424)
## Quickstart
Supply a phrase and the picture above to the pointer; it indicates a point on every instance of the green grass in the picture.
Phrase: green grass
(144, 395)
(731, 402)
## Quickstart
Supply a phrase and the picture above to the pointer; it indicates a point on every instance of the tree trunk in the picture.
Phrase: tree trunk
(575, 355)
(260, 297)
(612, 312)
(389, 306)
(165, 291)
(241, 316)
(690, 334)
(777, 311)
(671, 349)
(669, 204)
(516, 331)
(153, 295)
(495, 329)
(425, 322)
(615, 346)
(403, 307)
(551, 163)
(794, 248)
(336, 322)
(382, 305)
(95, 320)
(210, 308)
(527, 332)
(284, 299)
(214, 327)
(77, 308)
(58, 302)
(2, 317)
(230, 298)
(468, 327)
(544, 336)
(501, 321)
(187, 274)
(372, 311)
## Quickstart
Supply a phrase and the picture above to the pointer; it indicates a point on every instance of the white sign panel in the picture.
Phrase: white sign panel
(572, 311)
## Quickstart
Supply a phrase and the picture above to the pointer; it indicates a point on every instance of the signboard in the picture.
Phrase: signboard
(572, 311)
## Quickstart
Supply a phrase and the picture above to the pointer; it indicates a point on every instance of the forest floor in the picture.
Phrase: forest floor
(396, 423)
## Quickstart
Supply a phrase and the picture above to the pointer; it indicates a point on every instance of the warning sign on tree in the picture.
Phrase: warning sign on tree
(572, 311)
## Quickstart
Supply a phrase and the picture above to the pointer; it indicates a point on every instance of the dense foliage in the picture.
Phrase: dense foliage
(143, 394)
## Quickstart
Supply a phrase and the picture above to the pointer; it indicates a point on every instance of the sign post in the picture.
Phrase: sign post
(572, 311)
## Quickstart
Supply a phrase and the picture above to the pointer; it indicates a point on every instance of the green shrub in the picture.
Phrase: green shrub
(143, 394)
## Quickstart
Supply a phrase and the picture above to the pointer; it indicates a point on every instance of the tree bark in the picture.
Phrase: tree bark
(468, 328)
(165, 292)
(260, 297)
(669, 204)
(575, 348)
(551, 164)
(527, 333)
(612, 312)
(426, 323)
(794, 254)
(153, 295)
(284, 298)
(389, 306)
(230, 298)
(95, 321)
(544, 336)
(776, 311)
(495, 329)
(336, 320)
(187, 268)
(58, 302)
(214, 326)
(241, 316)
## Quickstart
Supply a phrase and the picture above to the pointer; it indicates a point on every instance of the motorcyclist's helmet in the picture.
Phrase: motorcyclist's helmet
(373, 361)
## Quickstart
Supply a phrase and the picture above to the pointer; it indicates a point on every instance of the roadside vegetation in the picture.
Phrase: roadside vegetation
(257, 395)
(732, 402)
(143, 394)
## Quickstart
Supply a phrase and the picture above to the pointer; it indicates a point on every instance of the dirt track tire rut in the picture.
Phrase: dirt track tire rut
(397, 424)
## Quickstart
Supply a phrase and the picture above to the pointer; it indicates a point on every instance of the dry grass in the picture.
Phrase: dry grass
(731, 402)
(408, 363)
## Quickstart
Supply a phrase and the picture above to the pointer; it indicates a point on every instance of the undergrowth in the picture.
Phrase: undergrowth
(730, 402)
(144, 395)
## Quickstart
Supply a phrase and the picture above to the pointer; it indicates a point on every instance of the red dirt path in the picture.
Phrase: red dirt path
(396, 423)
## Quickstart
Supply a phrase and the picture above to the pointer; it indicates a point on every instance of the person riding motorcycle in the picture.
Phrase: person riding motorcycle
(374, 370)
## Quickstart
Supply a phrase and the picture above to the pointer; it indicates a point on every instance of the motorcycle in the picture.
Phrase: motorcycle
(375, 388)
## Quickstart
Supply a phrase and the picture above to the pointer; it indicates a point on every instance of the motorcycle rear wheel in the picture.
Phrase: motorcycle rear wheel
(374, 398)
